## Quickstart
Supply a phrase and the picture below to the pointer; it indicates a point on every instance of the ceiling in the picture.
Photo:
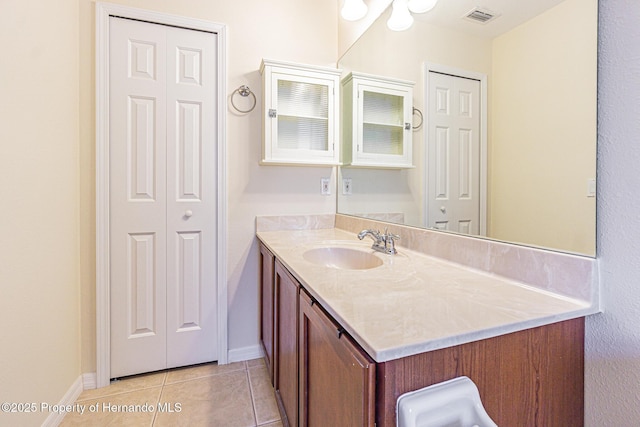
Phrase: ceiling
(451, 13)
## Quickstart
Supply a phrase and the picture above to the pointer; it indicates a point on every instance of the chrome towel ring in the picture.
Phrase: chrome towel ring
(244, 91)
(419, 114)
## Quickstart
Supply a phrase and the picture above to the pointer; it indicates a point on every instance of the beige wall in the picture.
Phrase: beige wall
(255, 30)
(39, 189)
(543, 152)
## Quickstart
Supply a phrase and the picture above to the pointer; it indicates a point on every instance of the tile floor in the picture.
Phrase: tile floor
(234, 395)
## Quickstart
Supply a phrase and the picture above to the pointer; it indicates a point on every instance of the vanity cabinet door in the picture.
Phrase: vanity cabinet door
(286, 343)
(378, 121)
(300, 114)
(266, 305)
(337, 379)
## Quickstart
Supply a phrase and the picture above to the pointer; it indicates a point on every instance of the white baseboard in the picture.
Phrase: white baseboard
(245, 353)
(54, 419)
(89, 381)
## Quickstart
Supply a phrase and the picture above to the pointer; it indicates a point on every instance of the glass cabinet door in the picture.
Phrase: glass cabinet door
(300, 114)
(303, 116)
(382, 123)
(377, 113)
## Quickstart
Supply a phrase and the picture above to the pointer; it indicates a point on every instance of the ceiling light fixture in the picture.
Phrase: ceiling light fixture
(352, 10)
(421, 6)
(400, 18)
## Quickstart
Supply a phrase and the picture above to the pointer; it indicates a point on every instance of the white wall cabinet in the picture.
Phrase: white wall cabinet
(377, 115)
(300, 114)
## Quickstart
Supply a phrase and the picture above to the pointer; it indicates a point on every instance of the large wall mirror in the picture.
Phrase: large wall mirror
(526, 164)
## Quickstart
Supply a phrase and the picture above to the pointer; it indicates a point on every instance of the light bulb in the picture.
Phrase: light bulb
(421, 6)
(352, 10)
(400, 18)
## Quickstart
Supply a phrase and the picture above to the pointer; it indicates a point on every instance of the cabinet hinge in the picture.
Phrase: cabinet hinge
(273, 113)
(340, 332)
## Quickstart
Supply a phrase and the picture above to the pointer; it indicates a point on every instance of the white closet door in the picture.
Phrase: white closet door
(454, 153)
(191, 197)
(162, 196)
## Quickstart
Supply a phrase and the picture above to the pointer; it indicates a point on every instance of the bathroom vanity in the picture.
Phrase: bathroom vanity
(342, 344)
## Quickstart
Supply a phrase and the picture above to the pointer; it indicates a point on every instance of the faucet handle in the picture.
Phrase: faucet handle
(390, 242)
(391, 235)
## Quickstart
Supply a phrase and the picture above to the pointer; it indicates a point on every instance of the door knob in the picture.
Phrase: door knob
(188, 213)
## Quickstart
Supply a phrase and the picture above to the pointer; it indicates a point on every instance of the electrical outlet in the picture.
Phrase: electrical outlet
(324, 185)
(346, 186)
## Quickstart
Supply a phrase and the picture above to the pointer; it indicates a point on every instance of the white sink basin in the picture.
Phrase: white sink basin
(344, 258)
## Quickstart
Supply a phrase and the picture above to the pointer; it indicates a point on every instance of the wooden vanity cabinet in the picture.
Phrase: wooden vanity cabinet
(337, 379)
(267, 264)
(529, 378)
(285, 383)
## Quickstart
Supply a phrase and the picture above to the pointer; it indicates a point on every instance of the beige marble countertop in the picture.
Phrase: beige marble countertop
(413, 302)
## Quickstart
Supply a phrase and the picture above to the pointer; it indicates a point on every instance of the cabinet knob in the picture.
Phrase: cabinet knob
(443, 209)
(188, 213)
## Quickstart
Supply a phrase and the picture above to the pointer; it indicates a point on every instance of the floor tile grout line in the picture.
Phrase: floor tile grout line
(205, 375)
(155, 413)
(253, 402)
(103, 396)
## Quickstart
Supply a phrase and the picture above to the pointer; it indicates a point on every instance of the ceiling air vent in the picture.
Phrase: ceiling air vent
(481, 16)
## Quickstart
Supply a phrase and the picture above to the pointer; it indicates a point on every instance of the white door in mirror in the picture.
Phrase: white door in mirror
(453, 139)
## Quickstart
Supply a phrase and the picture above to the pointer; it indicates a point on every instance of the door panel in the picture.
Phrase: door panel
(337, 379)
(163, 194)
(267, 267)
(191, 197)
(286, 290)
(137, 197)
(453, 195)
(142, 253)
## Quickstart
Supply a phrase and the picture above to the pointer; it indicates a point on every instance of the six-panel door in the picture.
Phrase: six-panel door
(163, 196)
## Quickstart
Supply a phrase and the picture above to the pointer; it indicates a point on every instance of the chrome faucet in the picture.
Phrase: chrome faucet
(381, 242)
